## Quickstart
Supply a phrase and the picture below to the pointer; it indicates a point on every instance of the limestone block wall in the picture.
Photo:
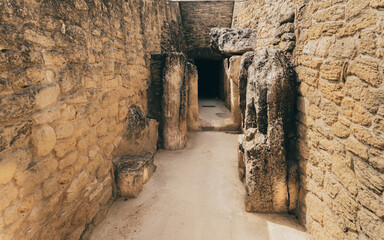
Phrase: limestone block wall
(263, 15)
(340, 63)
(73, 79)
(339, 59)
(198, 19)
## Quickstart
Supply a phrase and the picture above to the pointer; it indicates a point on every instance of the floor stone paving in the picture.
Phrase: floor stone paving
(195, 194)
(214, 115)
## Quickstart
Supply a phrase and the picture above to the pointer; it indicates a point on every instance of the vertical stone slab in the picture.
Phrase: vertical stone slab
(268, 124)
(155, 94)
(174, 102)
(234, 69)
(225, 89)
(246, 61)
(193, 98)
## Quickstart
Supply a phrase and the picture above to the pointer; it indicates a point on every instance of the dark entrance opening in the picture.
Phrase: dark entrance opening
(209, 78)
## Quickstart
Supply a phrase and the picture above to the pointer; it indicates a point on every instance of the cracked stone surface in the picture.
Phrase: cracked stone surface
(265, 155)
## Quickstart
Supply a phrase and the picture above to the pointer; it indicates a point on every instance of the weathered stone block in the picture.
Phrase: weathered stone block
(364, 136)
(230, 41)
(64, 146)
(141, 134)
(285, 28)
(369, 177)
(356, 113)
(364, 20)
(43, 139)
(132, 172)
(16, 106)
(371, 225)
(377, 3)
(357, 148)
(315, 207)
(46, 96)
(330, 14)
(64, 129)
(340, 130)
(366, 69)
(270, 103)
(345, 175)
(8, 193)
(371, 201)
(331, 90)
(29, 179)
(308, 75)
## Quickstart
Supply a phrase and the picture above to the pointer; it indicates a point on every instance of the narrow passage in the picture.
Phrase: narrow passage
(195, 194)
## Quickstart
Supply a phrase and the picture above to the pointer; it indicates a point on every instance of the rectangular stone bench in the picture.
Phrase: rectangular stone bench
(131, 172)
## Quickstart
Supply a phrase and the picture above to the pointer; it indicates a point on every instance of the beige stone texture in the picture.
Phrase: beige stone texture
(364, 136)
(193, 98)
(340, 130)
(354, 112)
(364, 20)
(174, 104)
(65, 75)
(366, 69)
(377, 3)
(43, 139)
(70, 74)
(234, 70)
(47, 96)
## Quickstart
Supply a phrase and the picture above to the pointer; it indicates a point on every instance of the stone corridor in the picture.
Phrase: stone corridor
(195, 194)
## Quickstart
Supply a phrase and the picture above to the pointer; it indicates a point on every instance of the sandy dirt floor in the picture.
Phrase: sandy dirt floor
(195, 194)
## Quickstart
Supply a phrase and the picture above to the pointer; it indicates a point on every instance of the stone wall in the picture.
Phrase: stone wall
(198, 19)
(73, 79)
(263, 15)
(339, 59)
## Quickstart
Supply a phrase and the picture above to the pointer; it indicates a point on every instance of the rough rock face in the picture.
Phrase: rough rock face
(232, 41)
(193, 98)
(132, 172)
(140, 135)
(246, 61)
(265, 146)
(174, 102)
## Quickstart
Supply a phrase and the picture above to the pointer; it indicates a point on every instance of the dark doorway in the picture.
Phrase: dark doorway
(209, 78)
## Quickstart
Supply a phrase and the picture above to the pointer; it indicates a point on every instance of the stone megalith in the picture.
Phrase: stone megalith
(268, 127)
(234, 69)
(233, 41)
(174, 102)
(193, 98)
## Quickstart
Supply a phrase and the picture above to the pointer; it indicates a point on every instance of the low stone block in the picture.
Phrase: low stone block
(132, 172)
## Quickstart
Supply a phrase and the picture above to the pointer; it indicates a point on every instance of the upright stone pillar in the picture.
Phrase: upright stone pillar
(174, 102)
(234, 69)
(193, 98)
(268, 126)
